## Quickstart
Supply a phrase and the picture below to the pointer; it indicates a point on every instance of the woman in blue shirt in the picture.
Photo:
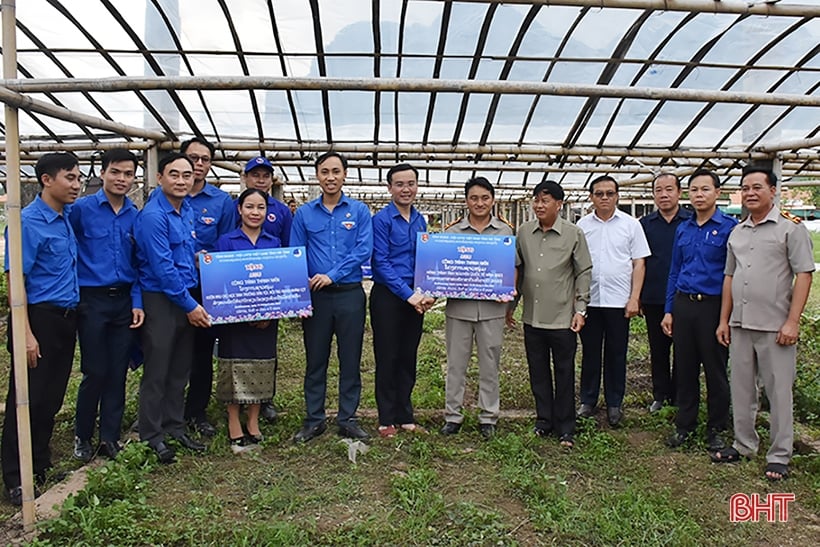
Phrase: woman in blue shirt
(247, 351)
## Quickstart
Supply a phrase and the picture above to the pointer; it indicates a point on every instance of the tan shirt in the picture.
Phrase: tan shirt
(554, 273)
(763, 261)
(477, 310)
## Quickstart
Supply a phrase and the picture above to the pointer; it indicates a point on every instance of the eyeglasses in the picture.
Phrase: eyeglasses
(401, 184)
(608, 193)
(195, 159)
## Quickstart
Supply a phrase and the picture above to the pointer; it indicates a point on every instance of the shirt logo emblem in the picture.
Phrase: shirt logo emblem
(348, 225)
(714, 232)
(271, 217)
(208, 220)
(347, 215)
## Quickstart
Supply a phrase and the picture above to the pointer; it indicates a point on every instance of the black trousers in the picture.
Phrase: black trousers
(605, 328)
(340, 312)
(56, 332)
(167, 342)
(660, 351)
(554, 403)
(693, 333)
(200, 382)
(396, 336)
(104, 325)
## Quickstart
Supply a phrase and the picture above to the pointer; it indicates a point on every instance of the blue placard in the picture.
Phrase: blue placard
(255, 285)
(479, 267)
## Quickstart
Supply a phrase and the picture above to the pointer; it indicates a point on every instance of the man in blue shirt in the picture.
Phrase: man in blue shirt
(164, 231)
(338, 235)
(110, 302)
(214, 215)
(659, 227)
(692, 312)
(258, 174)
(396, 311)
(52, 294)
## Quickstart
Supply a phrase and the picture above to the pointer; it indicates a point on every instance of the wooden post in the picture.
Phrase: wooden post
(16, 286)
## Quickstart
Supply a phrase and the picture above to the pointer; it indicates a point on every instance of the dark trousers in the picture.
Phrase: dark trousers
(104, 324)
(200, 382)
(396, 336)
(605, 328)
(554, 404)
(660, 350)
(693, 332)
(167, 342)
(339, 312)
(56, 333)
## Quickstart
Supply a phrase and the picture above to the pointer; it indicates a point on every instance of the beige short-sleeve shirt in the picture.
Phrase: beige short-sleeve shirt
(554, 273)
(763, 260)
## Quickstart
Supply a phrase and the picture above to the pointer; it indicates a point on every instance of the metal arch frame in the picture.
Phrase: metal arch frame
(442, 42)
(320, 62)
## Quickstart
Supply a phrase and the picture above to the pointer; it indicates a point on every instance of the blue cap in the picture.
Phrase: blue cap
(258, 161)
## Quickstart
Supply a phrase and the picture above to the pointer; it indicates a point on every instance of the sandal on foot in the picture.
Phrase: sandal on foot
(387, 431)
(566, 440)
(727, 455)
(413, 428)
(773, 469)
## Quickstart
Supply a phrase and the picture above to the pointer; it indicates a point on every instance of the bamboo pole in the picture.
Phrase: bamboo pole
(769, 9)
(16, 286)
(507, 87)
(28, 104)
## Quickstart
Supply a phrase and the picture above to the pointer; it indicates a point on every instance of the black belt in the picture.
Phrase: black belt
(698, 297)
(339, 287)
(45, 306)
(114, 290)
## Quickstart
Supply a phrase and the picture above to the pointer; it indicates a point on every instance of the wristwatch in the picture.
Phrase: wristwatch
(582, 313)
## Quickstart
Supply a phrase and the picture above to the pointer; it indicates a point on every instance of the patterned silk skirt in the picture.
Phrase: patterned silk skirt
(247, 363)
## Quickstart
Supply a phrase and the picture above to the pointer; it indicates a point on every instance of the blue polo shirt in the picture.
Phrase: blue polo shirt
(394, 249)
(277, 221)
(661, 237)
(105, 240)
(237, 240)
(165, 250)
(337, 242)
(698, 257)
(49, 255)
(214, 215)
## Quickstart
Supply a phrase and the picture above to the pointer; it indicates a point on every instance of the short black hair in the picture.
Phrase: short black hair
(249, 192)
(479, 181)
(327, 155)
(293, 201)
(52, 163)
(116, 155)
(602, 178)
(549, 187)
(185, 144)
(705, 173)
(662, 175)
(170, 158)
(771, 178)
(399, 168)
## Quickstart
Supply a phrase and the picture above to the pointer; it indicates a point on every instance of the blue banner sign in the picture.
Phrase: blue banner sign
(255, 285)
(478, 267)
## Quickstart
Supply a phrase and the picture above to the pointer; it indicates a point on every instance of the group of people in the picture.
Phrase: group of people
(103, 270)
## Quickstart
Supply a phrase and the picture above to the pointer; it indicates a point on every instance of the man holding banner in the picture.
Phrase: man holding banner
(479, 319)
(338, 236)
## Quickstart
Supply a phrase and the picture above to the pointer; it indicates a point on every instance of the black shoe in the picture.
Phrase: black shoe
(83, 450)
(487, 431)
(450, 428)
(16, 495)
(614, 415)
(541, 432)
(49, 474)
(109, 449)
(202, 426)
(352, 430)
(585, 411)
(268, 413)
(655, 406)
(714, 442)
(242, 444)
(678, 439)
(164, 452)
(309, 432)
(189, 443)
